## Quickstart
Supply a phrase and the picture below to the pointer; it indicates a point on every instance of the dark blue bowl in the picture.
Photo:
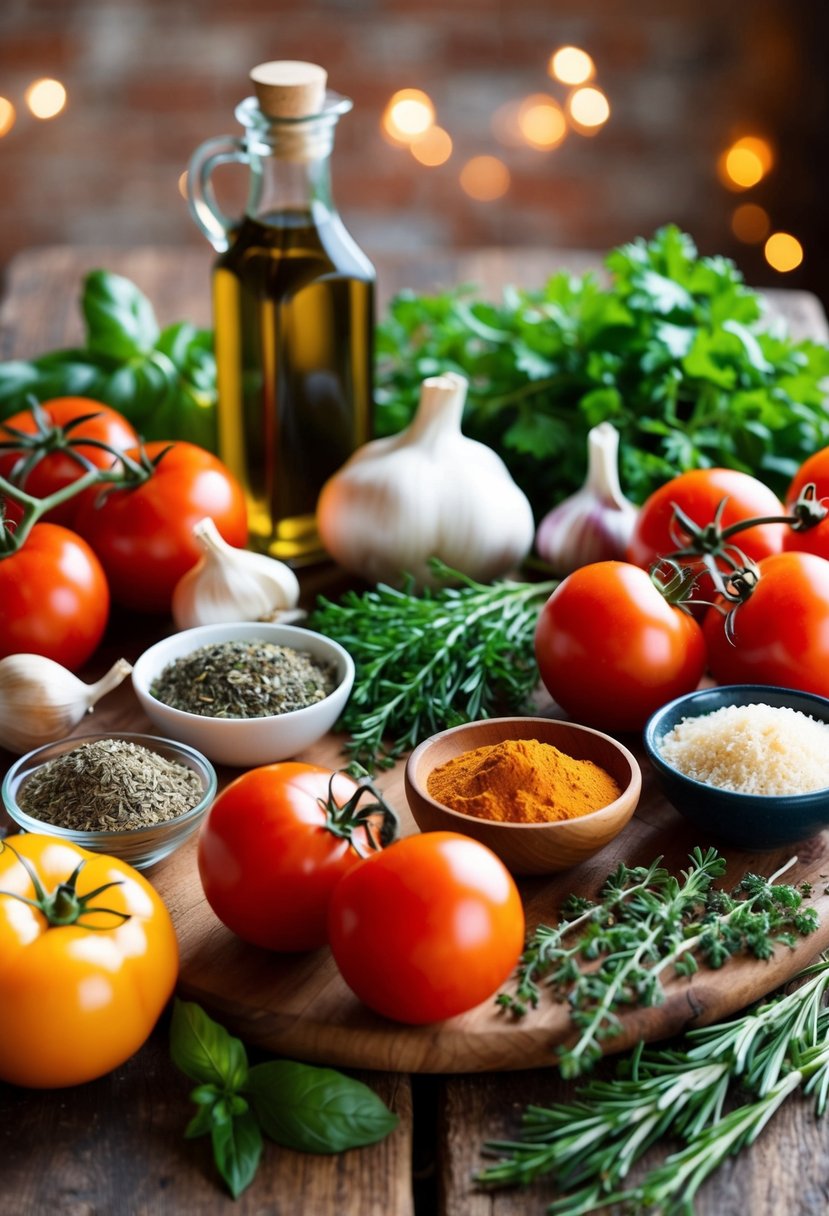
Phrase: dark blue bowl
(750, 821)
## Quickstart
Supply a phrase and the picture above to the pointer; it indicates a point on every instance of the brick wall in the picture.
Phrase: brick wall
(148, 80)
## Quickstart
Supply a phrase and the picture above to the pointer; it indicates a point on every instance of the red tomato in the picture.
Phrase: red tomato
(698, 493)
(781, 633)
(268, 864)
(58, 469)
(611, 649)
(814, 540)
(144, 536)
(54, 598)
(428, 928)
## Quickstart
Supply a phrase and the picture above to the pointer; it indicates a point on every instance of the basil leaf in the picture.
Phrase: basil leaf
(316, 1110)
(119, 318)
(237, 1148)
(204, 1051)
(201, 1124)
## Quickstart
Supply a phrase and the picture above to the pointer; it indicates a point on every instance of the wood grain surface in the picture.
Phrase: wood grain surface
(116, 1144)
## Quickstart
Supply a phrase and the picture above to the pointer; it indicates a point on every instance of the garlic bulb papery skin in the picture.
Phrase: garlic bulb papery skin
(428, 491)
(596, 523)
(41, 701)
(229, 584)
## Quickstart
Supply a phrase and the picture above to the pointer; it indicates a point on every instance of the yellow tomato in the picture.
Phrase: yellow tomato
(88, 959)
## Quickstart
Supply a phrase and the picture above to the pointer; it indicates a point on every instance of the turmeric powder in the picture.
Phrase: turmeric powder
(522, 781)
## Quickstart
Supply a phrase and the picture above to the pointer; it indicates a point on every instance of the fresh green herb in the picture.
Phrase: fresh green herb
(589, 1146)
(427, 662)
(645, 922)
(298, 1106)
(677, 353)
(163, 381)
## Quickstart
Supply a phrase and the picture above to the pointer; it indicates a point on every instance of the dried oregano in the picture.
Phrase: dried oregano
(109, 785)
(243, 680)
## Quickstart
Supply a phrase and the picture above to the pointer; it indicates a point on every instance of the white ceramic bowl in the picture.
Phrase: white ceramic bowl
(245, 742)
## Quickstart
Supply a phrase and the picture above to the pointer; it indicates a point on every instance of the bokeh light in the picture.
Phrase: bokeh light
(750, 223)
(588, 109)
(182, 184)
(485, 178)
(571, 65)
(7, 116)
(745, 163)
(432, 148)
(45, 98)
(505, 124)
(541, 121)
(409, 114)
(783, 251)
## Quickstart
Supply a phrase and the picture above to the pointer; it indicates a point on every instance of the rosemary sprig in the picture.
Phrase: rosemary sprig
(588, 1146)
(430, 661)
(604, 956)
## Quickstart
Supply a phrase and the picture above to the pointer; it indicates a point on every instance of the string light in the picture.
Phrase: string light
(7, 116)
(541, 121)
(745, 163)
(409, 114)
(588, 109)
(45, 98)
(750, 224)
(433, 148)
(571, 65)
(783, 251)
(485, 178)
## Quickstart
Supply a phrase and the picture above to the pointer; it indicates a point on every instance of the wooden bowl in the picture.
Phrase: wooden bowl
(527, 848)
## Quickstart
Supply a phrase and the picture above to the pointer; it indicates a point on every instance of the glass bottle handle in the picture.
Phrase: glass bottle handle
(223, 150)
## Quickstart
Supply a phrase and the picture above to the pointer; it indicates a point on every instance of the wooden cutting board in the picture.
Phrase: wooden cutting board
(298, 1006)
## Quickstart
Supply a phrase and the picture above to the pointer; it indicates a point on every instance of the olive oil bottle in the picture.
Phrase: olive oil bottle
(293, 300)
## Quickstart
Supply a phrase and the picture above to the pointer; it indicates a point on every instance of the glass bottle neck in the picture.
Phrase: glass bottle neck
(290, 158)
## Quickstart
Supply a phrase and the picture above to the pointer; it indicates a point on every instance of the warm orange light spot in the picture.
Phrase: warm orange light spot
(541, 121)
(588, 108)
(433, 148)
(783, 252)
(571, 65)
(750, 223)
(745, 163)
(7, 116)
(182, 184)
(485, 178)
(409, 113)
(45, 98)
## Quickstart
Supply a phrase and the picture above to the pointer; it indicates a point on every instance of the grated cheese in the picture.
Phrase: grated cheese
(752, 749)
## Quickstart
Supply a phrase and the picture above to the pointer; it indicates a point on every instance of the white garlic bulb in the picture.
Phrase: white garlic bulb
(41, 701)
(229, 584)
(596, 523)
(427, 492)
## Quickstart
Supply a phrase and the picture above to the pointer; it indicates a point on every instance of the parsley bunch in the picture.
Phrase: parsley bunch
(677, 352)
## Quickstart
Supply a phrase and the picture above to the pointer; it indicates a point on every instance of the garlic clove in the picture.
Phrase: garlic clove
(596, 523)
(229, 584)
(40, 700)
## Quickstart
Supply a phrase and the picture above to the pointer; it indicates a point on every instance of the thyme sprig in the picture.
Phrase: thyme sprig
(604, 956)
(588, 1146)
(430, 661)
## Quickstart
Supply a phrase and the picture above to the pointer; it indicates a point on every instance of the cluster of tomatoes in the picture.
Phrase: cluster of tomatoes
(611, 645)
(421, 930)
(127, 543)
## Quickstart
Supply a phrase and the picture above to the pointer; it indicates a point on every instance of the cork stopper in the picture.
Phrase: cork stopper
(289, 88)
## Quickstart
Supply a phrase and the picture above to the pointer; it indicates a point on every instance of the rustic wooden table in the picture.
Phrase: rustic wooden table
(116, 1145)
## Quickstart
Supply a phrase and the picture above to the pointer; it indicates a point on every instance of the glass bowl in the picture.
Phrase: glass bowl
(140, 847)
